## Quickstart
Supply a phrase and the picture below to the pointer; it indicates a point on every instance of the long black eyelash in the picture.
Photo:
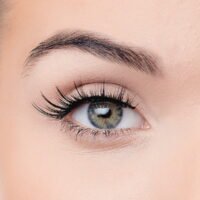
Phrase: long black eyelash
(67, 103)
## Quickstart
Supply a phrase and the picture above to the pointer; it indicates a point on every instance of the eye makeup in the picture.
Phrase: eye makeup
(99, 114)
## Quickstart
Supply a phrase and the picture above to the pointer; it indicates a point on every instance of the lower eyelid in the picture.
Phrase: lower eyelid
(115, 139)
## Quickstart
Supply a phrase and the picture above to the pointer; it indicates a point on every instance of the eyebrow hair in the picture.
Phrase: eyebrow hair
(104, 48)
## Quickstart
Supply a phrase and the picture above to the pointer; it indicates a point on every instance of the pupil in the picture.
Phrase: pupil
(105, 115)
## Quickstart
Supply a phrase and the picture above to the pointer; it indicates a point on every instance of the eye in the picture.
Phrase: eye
(105, 114)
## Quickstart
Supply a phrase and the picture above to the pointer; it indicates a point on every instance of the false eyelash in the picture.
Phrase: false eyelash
(67, 103)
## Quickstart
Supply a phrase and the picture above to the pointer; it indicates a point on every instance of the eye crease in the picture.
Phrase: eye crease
(100, 111)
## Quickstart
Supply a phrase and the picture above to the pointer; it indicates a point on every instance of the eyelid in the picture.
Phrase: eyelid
(117, 140)
(83, 93)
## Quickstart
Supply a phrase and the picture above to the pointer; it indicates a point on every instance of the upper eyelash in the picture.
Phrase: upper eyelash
(67, 103)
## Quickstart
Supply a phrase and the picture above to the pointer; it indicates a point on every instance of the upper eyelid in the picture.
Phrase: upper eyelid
(65, 99)
(102, 91)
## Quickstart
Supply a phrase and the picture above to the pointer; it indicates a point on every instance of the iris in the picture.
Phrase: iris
(105, 115)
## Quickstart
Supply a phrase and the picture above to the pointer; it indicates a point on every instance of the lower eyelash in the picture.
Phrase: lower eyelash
(94, 132)
(100, 139)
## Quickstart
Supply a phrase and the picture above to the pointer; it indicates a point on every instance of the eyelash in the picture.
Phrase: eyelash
(67, 103)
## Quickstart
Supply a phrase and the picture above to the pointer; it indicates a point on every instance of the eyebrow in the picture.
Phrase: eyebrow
(136, 58)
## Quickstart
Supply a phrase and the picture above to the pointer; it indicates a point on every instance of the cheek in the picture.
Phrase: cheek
(174, 160)
(171, 166)
(43, 165)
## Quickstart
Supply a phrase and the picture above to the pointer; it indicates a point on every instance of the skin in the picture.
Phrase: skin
(40, 162)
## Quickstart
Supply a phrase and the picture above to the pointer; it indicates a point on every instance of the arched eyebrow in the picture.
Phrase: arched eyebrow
(138, 59)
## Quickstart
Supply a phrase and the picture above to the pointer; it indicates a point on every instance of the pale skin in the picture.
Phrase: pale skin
(40, 161)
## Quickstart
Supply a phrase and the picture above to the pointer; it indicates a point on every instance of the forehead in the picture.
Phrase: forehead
(171, 27)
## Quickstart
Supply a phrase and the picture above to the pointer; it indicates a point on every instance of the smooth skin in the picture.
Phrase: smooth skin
(40, 162)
